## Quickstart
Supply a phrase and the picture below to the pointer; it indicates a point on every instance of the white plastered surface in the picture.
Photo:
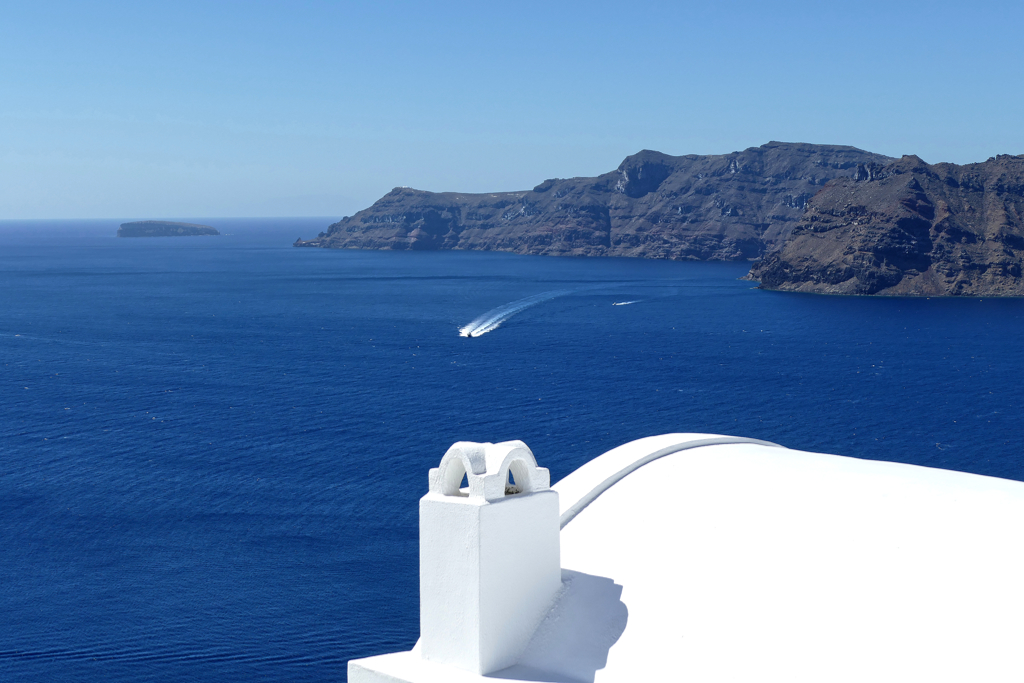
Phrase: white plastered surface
(751, 563)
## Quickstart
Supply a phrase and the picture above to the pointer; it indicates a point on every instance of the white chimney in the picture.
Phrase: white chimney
(490, 566)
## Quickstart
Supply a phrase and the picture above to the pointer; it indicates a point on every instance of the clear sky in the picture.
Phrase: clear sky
(187, 109)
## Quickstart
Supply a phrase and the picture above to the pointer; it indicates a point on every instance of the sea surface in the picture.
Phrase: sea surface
(211, 448)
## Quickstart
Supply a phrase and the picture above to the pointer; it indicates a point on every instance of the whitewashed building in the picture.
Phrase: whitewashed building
(695, 557)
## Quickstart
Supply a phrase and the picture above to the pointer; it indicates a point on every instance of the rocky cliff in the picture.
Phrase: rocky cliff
(908, 228)
(725, 207)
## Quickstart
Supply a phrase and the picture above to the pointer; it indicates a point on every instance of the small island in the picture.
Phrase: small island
(164, 229)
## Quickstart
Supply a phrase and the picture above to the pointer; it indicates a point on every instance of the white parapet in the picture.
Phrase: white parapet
(489, 555)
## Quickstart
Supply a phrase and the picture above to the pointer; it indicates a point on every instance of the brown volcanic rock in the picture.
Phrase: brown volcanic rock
(724, 207)
(909, 228)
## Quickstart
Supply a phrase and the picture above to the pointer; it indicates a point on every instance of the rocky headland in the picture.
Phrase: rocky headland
(908, 228)
(164, 229)
(722, 207)
(815, 218)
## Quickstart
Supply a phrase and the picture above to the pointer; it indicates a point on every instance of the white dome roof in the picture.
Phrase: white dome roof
(743, 562)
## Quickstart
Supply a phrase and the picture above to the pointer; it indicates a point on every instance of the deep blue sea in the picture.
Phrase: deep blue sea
(211, 448)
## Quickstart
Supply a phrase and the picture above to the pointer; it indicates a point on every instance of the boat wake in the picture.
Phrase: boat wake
(492, 319)
(626, 303)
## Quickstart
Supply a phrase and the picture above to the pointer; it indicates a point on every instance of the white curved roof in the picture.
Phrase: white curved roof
(744, 561)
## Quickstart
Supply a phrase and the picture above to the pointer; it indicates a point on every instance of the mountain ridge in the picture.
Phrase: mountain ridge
(732, 206)
(826, 219)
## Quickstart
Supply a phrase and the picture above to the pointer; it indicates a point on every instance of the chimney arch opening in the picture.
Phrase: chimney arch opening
(455, 479)
(517, 477)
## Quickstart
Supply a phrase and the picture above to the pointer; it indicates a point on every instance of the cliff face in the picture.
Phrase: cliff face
(909, 228)
(724, 207)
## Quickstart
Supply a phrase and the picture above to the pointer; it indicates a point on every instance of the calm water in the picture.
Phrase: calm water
(211, 448)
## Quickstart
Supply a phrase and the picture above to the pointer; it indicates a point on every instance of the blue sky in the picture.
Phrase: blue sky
(148, 110)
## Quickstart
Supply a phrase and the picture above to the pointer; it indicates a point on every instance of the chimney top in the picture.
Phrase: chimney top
(493, 470)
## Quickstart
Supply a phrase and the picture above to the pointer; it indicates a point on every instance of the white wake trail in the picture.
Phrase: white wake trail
(492, 319)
